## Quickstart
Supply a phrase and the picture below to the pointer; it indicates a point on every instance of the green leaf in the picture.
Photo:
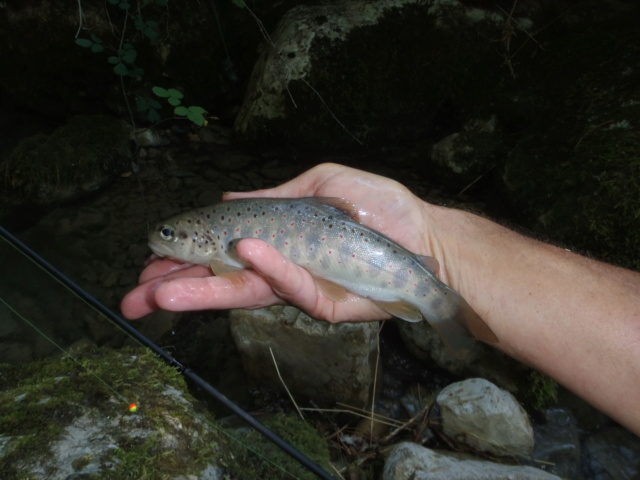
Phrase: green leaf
(173, 101)
(129, 55)
(239, 3)
(175, 93)
(151, 31)
(154, 103)
(96, 48)
(196, 110)
(153, 116)
(160, 92)
(95, 38)
(84, 42)
(181, 111)
(162, 3)
(114, 60)
(142, 105)
(121, 69)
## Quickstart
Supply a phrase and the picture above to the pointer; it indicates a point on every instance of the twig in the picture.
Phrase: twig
(285, 385)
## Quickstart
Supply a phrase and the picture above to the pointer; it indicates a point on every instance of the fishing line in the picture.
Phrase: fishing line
(92, 302)
(53, 342)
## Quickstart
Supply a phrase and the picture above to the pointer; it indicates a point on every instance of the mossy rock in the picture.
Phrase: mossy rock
(69, 417)
(74, 160)
(258, 458)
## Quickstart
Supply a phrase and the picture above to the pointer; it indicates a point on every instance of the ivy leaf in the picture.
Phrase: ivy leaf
(173, 101)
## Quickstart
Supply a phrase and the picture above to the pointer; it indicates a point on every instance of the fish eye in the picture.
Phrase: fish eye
(166, 232)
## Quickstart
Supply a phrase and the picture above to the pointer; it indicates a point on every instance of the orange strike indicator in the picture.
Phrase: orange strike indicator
(133, 408)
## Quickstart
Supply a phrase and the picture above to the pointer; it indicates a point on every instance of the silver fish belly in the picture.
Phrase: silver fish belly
(323, 236)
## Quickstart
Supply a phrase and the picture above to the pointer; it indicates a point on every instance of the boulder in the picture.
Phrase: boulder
(409, 461)
(326, 362)
(478, 414)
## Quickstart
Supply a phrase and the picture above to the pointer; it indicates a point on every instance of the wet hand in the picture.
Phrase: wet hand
(383, 204)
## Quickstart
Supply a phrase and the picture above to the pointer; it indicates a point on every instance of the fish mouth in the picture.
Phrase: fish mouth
(159, 249)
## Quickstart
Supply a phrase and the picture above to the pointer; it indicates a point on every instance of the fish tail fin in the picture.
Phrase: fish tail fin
(460, 326)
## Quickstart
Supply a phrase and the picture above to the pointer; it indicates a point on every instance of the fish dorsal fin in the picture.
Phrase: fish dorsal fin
(430, 262)
(402, 310)
(344, 207)
(331, 290)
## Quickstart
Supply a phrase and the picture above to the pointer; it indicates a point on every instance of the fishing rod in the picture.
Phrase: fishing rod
(183, 369)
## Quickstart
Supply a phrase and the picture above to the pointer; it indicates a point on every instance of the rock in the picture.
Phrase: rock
(476, 413)
(329, 77)
(557, 443)
(611, 454)
(464, 156)
(231, 161)
(73, 161)
(409, 461)
(326, 362)
(482, 361)
(77, 412)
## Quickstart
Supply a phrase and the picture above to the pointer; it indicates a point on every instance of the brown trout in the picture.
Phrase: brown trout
(323, 236)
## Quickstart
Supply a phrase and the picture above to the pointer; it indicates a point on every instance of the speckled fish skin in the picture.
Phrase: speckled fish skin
(321, 235)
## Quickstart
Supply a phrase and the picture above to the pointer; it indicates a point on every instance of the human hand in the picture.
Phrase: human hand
(383, 204)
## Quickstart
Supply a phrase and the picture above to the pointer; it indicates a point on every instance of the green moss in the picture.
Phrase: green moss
(74, 159)
(258, 458)
(536, 390)
(40, 400)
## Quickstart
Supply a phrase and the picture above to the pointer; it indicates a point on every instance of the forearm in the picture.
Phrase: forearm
(573, 318)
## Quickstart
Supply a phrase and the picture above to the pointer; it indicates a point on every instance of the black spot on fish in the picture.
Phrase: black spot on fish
(183, 235)
(221, 217)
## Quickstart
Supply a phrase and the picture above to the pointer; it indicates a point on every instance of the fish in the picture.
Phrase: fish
(324, 236)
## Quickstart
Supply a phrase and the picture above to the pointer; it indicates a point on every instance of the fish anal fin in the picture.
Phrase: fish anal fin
(430, 262)
(342, 205)
(333, 291)
(402, 310)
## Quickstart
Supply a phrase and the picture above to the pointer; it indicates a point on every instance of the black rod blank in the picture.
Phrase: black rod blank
(187, 372)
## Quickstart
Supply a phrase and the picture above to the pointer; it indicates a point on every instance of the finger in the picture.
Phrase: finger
(289, 282)
(140, 301)
(243, 289)
(165, 267)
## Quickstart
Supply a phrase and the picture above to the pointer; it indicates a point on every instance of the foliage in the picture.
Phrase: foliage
(174, 97)
(124, 56)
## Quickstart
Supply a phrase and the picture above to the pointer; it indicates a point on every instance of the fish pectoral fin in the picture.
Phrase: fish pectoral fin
(402, 310)
(334, 291)
(218, 267)
(430, 263)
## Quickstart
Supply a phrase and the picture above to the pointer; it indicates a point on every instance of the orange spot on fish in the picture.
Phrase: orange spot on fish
(292, 224)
